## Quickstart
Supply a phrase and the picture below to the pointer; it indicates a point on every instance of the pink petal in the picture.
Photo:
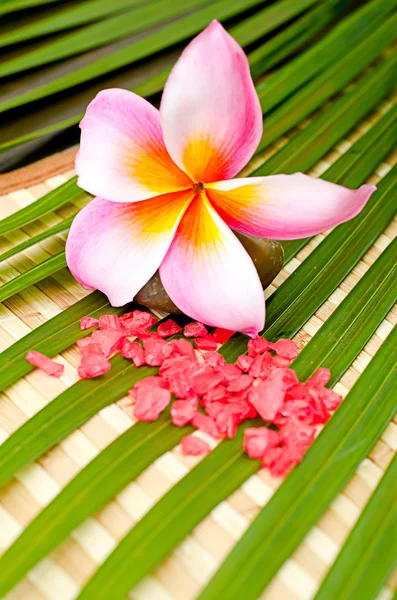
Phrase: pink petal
(285, 207)
(210, 112)
(122, 155)
(116, 248)
(208, 274)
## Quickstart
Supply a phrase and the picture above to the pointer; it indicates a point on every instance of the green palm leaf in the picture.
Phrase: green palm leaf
(10, 6)
(99, 34)
(370, 553)
(67, 18)
(37, 273)
(262, 59)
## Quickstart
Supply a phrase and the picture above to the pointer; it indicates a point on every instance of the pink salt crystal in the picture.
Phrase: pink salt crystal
(271, 456)
(286, 348)
(319, 412)
(244, 362)
(179, 381)
(175, 363)
(195, 329)
(205, 343)
(133, 351)
(230, 417)
(214, 408)
(168, 328)
(216, 394)
(320, 378)
(299, 391)
(153, 381)
(194, 446)
(109, 322)
(154, 351)
(298, 409)
(258, 346)
(240, 383)
(283, 460)
(222, 335)
(297, 434)
(150, 403)
(246, 409)
(88, 346)
(138, 318)
(257, 440)
(280, 361)
(88, 323)
(40, 361)
(214, 359)
(268, 396)
(262, 365)
(182, 347)
(330, 398)
(227, 423)
(206, 424)
(229, 372)
(93, 365)
(183, 411)
(108, 339)
(203, 379)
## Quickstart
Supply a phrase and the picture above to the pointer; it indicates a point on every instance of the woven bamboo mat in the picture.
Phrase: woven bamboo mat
(61, 575)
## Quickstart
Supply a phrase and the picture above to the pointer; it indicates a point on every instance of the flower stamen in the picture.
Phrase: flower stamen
(198, 187)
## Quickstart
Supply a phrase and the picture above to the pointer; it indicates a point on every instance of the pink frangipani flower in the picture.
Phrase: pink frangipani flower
(166, 198)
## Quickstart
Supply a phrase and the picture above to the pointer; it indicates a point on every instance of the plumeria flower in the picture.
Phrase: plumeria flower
(165, 197)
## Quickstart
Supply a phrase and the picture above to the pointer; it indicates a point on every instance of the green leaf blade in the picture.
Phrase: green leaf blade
(370, 552)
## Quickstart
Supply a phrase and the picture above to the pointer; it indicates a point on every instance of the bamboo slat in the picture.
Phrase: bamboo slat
(62, 574)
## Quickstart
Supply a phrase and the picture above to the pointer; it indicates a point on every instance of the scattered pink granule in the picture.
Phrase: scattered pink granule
(150, 403)
(286, 348)
(88, 323)
(155, 351)
(258, 346)
(222, 335)
(320, 378)
(205, 343)
(133, 351)
(42, 362)
(268, 396)
(203, 379)
(183, 411)
(206, 424)
(168, 328)
(211, 394)
(240, 383)
(93, 365)
(244, 362)
(109, 322)
(214, 359)
(195, 329)
(257, 440)
(138, 319)
(108, 339)
(194, 446)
